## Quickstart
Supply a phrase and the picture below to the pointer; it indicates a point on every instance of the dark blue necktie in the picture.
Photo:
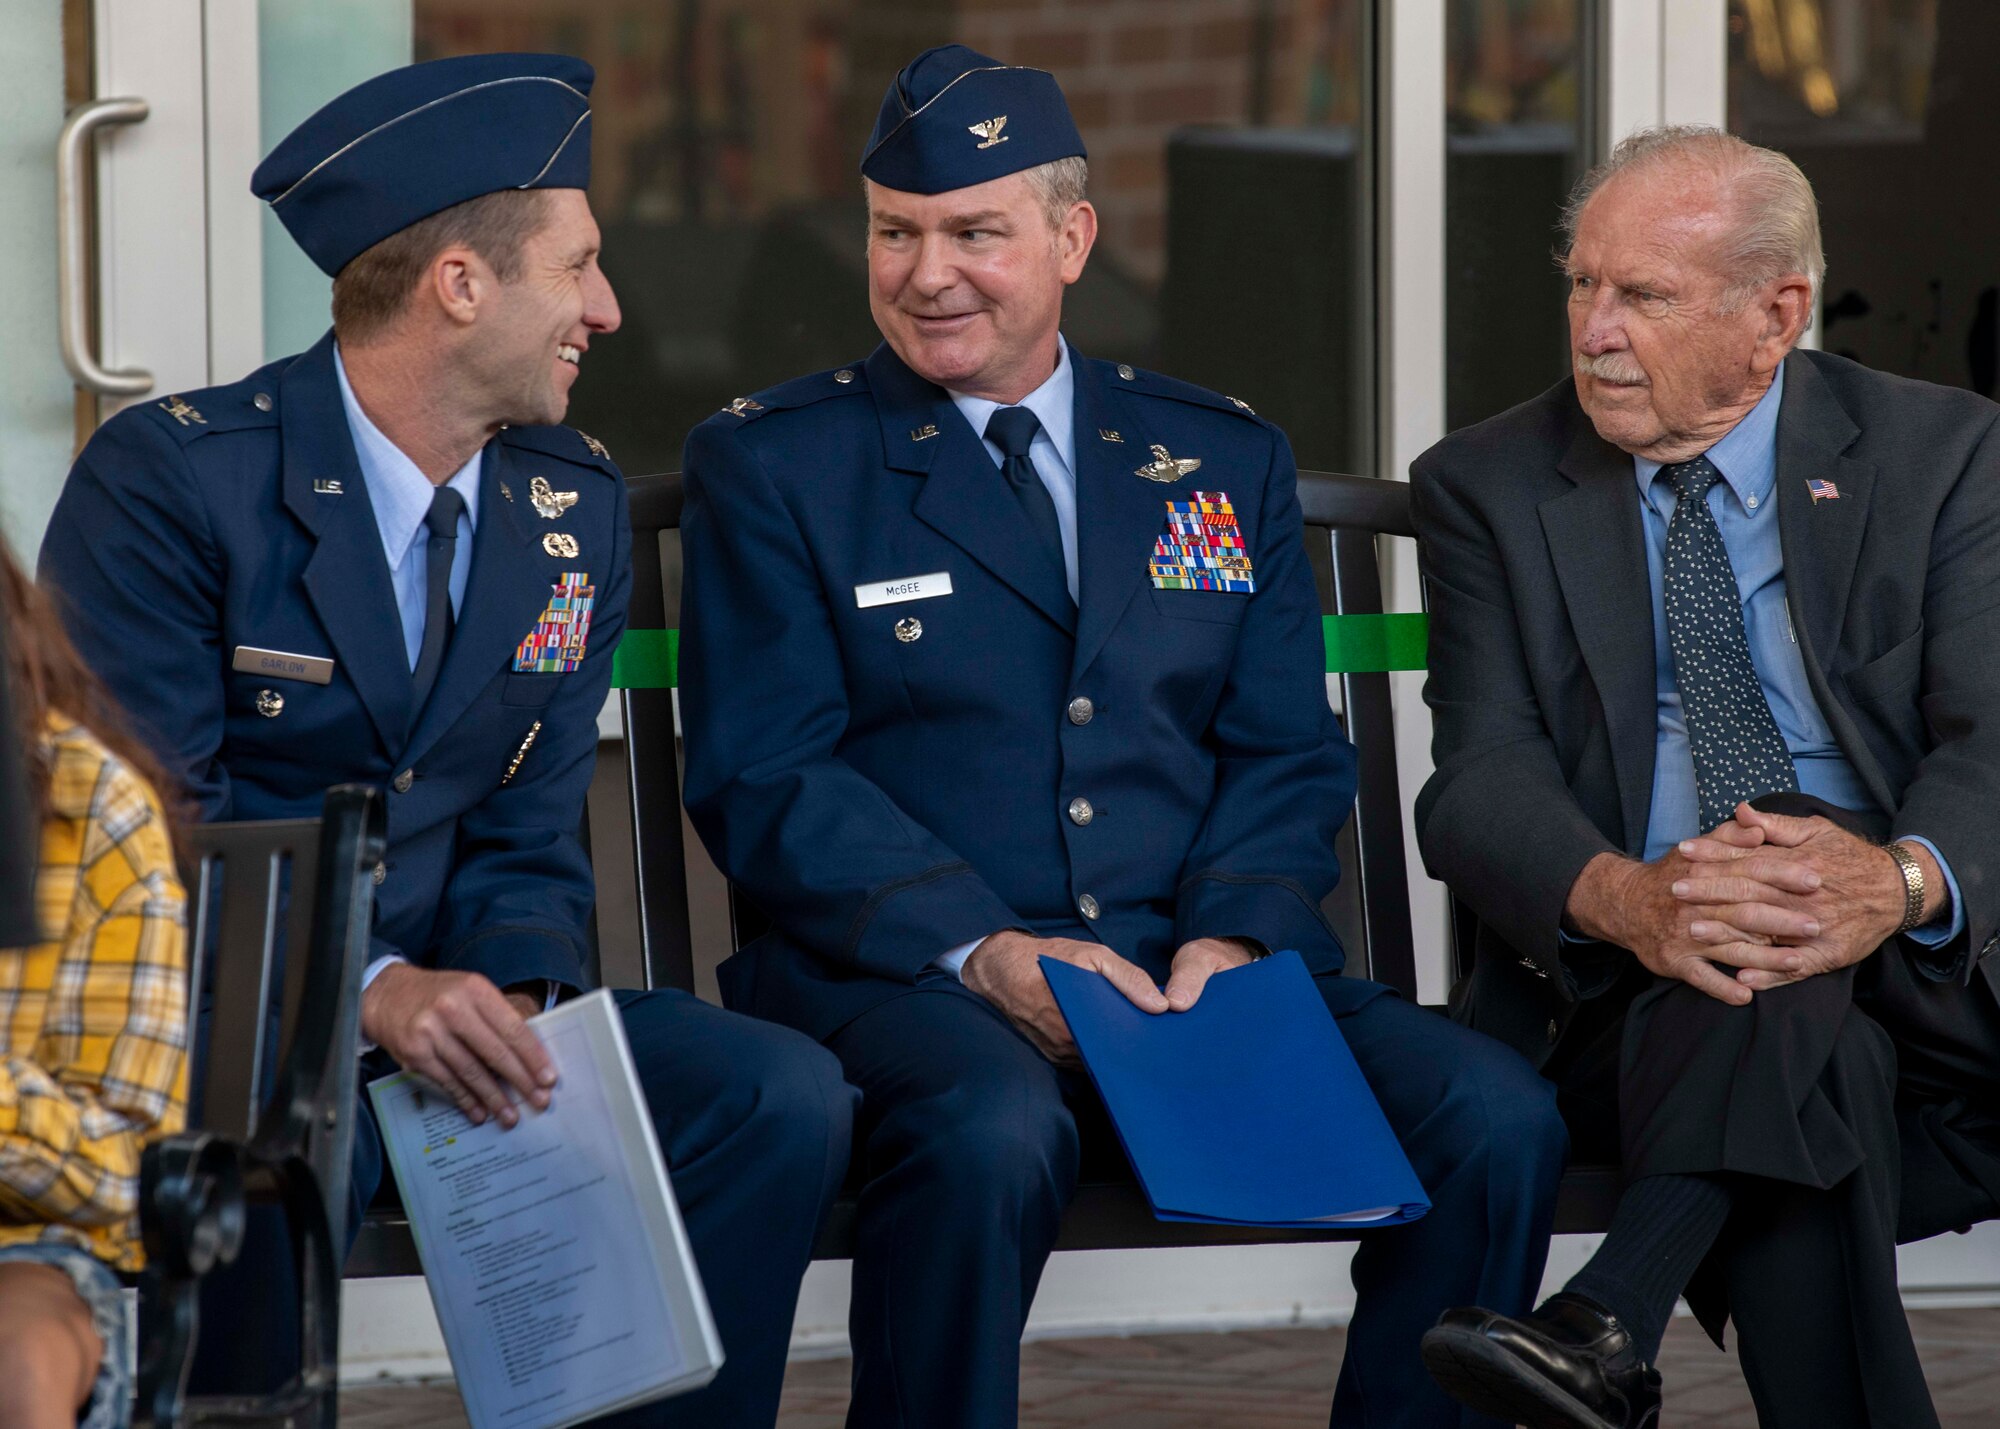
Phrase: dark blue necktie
(442, 520)
(1738, 751)
(1012, 429)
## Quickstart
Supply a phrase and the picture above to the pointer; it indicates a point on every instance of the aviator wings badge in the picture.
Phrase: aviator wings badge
(549, 503)
(989, 130)
(1166, 467)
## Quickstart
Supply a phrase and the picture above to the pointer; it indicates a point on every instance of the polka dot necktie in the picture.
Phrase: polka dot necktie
(1738, 751)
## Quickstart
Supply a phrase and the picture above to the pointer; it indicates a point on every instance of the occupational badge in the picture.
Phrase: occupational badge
(560, 543)
(743, 407)
(1202, 547)
(180, 411)
(555, 645)
(549, 503)
(1167, 467)
(597, 448)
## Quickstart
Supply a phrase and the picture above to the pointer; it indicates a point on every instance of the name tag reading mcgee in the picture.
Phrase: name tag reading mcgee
(908, 588)
(280, 665)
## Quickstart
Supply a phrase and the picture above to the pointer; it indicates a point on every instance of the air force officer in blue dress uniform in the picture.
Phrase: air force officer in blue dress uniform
(994, 652)
(382, 561)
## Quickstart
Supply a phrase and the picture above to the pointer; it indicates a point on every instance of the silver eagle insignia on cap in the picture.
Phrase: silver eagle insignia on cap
(989, 130)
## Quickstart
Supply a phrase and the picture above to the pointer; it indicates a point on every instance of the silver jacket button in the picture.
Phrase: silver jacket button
(1087, 906)
(262, 401)
(402, 782)
(270, 703)
(1125, 371)
(1552, 1029)
(381, 873)
(909, 628)
(1080, 811)
(1081, 710)
(843, 376)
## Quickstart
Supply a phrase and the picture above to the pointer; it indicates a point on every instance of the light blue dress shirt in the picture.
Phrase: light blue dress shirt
(1745, 506)
(401, 495)
(1054, 456)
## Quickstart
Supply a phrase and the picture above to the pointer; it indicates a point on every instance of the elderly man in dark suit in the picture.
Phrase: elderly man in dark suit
(1711, 666)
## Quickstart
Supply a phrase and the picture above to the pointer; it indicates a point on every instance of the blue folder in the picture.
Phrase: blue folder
(1247, 1109)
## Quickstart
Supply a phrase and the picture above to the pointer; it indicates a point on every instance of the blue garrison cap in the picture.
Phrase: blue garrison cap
(413, 142)
(954, 118)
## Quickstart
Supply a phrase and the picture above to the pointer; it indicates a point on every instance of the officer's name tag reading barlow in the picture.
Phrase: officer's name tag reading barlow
(908, 588)
(281, 665)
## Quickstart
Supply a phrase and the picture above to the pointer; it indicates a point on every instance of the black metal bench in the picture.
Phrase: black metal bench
(1345, 516)
(284, 909)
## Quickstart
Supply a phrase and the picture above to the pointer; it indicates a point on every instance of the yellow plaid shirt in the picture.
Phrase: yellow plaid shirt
(93, 1024)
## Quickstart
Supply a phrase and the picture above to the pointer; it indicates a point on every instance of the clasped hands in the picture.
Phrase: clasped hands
(1761, 901)
(1006, 970)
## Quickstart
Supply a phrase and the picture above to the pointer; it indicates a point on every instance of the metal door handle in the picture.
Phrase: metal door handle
(73, 149)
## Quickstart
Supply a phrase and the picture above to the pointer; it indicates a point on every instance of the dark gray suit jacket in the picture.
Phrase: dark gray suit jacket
(1541, 656)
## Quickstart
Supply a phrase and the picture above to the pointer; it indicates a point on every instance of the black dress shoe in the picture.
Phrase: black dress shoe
(1570, 1365)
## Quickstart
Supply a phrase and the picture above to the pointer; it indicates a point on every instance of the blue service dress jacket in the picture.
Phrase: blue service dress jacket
(198, 531)
(888, 781)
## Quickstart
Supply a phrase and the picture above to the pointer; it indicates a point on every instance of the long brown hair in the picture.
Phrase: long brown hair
(47, 675)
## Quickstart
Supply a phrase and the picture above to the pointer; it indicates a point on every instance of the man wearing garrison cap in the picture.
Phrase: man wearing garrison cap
(383, 561)
(963, 687)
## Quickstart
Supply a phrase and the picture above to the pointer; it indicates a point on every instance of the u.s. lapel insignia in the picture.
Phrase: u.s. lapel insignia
(597, 448)
(549, 503)
(506, 491)
(923, 433)
(1243, 406)
(1109, 435)
(743, 407)
(180, 411)
(560, 543)
(1166, 467)
(1822, 491)
(989, 130)
(325, 486)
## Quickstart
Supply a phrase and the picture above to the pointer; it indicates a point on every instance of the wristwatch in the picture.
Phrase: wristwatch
(1913, 885)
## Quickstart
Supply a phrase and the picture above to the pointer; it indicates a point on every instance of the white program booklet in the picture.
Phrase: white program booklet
(554, 1252)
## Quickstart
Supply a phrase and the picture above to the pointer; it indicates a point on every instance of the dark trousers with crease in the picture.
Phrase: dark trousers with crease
(970, 1144)
(1849, 1112)
(755, 1123)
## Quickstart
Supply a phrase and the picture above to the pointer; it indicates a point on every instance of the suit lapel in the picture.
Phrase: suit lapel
(347, 578)
(1118, 515)
(1821, 540)
(964, 498)
(1597, 543)
(507, 588)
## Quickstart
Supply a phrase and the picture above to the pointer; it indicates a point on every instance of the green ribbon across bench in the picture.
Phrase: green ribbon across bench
(1355, 645)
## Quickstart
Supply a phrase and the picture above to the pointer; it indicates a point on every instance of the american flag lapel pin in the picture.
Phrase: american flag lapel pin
(1823, 491)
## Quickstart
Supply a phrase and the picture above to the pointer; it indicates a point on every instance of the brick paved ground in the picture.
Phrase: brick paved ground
(1279, 1379)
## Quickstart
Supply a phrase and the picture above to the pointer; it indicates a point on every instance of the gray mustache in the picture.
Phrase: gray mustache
(1612, 367)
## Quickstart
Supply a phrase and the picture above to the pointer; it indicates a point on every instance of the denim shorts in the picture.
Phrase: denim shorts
(110, 1405)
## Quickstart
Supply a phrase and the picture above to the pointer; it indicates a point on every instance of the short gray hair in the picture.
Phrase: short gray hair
(1774, 226)
(1060, 185)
